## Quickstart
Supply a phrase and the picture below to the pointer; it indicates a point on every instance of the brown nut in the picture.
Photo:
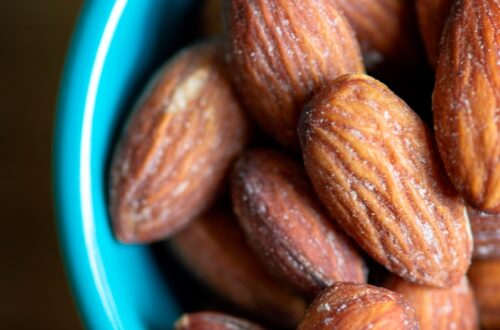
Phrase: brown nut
(486, 232)
(349, 306)
(177, 147)
(213, 248)
(484, 276)
(211, 18)
(282, 51)
(452, 308)
(374, 165)
(286, 225)
(213, 321)
(432, 16)
(385, 31)
(466, 102)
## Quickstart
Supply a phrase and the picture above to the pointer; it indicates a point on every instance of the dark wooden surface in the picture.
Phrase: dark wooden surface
(33, 41)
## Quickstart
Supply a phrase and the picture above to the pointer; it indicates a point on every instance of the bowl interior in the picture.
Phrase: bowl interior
(115, 49)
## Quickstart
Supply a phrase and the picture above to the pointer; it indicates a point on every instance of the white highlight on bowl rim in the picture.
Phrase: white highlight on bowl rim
(85, 163)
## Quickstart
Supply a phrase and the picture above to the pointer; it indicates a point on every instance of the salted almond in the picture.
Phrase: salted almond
(375, 167)
(177, 147)
(432, 16)
(466, 102)
(484, 276)
(213, 248)
(486, 232)
(385, 30)
(287, 226)
(213, 321)
(349, 306)
(451, 308)
(280, 52)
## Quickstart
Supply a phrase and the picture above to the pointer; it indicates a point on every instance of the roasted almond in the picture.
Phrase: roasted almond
(213, 248)
(432, 16)
(385, 30)
(466, 102)
(484, 276)
(375, 167)
(286, 225)
(280, 52)
(213, 321)
(451, 308)
(486, 232)
(177, 147)
(349, 306)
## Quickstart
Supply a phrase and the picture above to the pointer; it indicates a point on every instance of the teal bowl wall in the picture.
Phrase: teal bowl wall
(115, 48)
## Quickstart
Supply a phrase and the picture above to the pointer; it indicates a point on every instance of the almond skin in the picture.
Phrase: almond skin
(452, 308)
(287, 227)
(484, 276)
(486, 232)
(282, 51)
(375, 167)
(177, 147)
(213, 321)
(213, 248)
(385, 30)
(349, 306)
(466, 102)
(432, 16)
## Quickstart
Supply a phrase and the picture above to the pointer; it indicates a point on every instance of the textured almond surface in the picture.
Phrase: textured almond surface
(213, 248)
(281, 51)
(384, 29)
(349, 306)
(177, 148)
(452, 308)
(484, 276)
(287, 226)
(486, 232)
(432, 16)
(213, 321)
(374, 165)
(466, 102)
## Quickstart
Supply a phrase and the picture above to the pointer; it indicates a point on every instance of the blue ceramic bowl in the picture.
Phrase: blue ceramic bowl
(116, 46)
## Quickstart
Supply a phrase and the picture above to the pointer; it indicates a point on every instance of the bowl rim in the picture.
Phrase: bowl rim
(72, 196)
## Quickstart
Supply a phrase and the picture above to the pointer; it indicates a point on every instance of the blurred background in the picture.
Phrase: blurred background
(34, 36)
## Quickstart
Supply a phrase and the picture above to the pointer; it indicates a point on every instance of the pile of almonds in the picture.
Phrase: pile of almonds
(278, 169)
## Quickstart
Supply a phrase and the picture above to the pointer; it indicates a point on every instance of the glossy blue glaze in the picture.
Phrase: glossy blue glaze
(115, 47)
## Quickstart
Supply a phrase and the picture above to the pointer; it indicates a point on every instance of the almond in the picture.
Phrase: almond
(486, 232)
(213, 321)
(452, 308)
(286, 225)
(349, 306)
(211, 18)
(384, 29)
(213, 248)
(484, 276)
(466, 102)
(280, 52)
(375, 167)
(432, 16)
(177, 147)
